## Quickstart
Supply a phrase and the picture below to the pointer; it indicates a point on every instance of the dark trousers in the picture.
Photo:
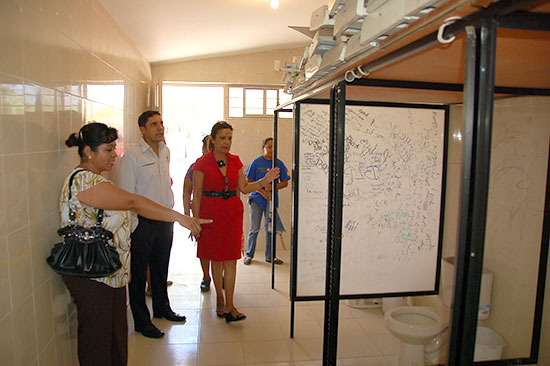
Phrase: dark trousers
(151, 245)
(102, 323)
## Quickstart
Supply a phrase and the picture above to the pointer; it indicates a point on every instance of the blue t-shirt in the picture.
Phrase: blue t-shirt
(258, 169)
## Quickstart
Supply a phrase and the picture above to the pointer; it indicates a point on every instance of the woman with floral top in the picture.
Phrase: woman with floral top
(101, 302)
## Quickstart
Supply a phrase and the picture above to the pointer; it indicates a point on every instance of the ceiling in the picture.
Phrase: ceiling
(167, 30)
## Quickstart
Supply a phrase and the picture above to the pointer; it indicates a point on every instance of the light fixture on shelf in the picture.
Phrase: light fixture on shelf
(274, 4)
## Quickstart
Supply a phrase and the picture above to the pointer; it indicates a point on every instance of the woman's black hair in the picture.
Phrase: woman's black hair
(205, 142)
(92, 134)
(220, 125)
(266, 141)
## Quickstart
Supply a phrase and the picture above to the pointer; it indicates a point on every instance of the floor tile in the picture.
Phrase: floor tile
(304, 329)
(262, 331)
(221, 354)
(243, 300)
(174, 354)
(350, 327)
(181, 333)
(373, 324)
(306, 349)
(300, 313)
(357, 346)
(253, 288)
(386, 343)
(222, 332)
(308, 363)
(259, 314)
(139, 353)
(366, 361)
(266, 351)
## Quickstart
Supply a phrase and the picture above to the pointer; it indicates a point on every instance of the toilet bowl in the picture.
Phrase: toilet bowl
(414, 326)
(423, 332)
(435, 350)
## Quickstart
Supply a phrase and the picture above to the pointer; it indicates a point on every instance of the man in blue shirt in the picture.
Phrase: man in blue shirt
(258, 201)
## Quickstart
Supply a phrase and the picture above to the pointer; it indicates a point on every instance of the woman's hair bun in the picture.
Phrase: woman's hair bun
(73, 140)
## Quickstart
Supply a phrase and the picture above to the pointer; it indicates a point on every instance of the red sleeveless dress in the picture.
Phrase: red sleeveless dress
(220, 240)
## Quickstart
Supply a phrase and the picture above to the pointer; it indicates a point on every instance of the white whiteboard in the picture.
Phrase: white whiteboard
(393, 168)
(313, 199)
(392, 199)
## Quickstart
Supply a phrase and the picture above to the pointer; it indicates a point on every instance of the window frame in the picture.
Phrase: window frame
(277, 88)
(226, 86)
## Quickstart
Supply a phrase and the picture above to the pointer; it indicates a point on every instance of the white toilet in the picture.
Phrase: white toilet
(423, 331)
(414, 326)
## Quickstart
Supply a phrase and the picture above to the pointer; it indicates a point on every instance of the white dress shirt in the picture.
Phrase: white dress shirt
(148, 174)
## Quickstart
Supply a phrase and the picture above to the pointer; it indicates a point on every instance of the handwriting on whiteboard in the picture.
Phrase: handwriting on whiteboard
(392, 191)
(393, 161)
(313, 197)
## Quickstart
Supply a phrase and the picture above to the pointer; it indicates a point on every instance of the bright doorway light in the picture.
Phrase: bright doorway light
(188, 112)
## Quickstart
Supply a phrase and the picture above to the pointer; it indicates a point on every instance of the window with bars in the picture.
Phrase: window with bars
(236, 102)
(244, 101)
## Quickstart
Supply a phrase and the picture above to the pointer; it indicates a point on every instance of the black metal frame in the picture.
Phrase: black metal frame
(420, 85)
(478, 102)
(275, 191)
(294, 217)
(334, 221)
(274, 201)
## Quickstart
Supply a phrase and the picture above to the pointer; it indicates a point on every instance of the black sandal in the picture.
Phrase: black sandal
(205, 285)
(229, 317)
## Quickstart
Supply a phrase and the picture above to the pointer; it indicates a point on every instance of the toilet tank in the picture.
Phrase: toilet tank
(448, 282)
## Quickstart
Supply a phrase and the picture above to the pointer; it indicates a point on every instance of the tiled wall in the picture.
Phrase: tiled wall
(517, 189)
(62, 63)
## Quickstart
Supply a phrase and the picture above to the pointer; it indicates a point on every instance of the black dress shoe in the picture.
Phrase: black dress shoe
(171, 316)
(150, 331)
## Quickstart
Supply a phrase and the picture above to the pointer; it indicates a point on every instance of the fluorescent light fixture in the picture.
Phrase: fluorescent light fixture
(274, 4)
(382, 37)
(402, 25)
(427, 10)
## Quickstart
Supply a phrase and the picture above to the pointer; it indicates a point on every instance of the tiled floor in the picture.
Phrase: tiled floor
(263, 338)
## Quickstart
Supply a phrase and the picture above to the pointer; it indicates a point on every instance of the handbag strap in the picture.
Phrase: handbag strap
(72, 214)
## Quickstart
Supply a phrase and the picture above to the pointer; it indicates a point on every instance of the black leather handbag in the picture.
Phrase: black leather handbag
(84, 252)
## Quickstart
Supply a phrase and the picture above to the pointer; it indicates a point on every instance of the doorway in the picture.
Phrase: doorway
(188, 113)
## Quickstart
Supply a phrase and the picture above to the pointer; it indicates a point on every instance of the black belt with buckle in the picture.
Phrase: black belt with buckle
(224, 195)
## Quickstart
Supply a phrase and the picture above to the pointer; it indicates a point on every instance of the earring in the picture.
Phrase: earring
(89, 157)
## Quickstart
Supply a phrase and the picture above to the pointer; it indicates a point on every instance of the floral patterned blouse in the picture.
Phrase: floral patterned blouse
(118, 222)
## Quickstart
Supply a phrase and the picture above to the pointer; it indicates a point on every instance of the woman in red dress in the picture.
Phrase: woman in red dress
(216, 177)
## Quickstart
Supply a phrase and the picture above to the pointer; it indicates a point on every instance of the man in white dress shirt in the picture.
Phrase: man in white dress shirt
(145, 170)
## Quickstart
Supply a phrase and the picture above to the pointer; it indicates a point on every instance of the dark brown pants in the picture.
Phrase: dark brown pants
(102, 324)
